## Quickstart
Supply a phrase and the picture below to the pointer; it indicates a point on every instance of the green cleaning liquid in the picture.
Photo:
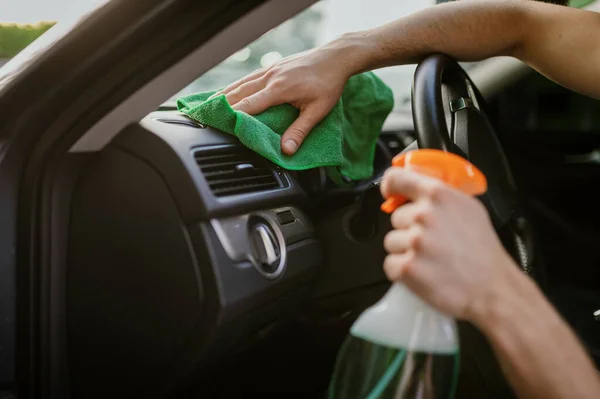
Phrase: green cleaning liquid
(400, 348)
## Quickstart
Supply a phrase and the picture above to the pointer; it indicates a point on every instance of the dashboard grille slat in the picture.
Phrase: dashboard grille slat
(234, 170)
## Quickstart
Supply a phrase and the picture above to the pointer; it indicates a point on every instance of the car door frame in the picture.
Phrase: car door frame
(120, 63)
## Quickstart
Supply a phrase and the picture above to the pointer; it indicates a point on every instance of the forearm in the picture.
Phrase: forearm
(560, 42)
(465, 30)
(563, 44)
(540, 355)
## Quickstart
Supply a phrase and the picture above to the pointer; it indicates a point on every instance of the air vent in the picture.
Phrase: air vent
(234, 170)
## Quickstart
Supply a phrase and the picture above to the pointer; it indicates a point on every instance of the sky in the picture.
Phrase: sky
(31, 11)
(352, 15)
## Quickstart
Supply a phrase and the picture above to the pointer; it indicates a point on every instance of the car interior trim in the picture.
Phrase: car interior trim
(150, 96)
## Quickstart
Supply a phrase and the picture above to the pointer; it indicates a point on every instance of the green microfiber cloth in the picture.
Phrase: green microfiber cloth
(344, 141)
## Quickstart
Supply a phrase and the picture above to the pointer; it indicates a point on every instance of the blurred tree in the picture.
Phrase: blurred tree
(15, 37)
(580, 3)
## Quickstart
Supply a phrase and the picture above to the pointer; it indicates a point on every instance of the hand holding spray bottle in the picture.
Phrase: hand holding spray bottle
(401, 347)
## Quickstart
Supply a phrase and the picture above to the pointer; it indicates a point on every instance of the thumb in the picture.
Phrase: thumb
(294, 136)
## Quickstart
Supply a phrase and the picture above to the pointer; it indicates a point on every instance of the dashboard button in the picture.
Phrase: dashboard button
(286, 217)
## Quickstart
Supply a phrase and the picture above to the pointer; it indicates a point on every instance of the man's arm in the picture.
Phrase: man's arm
(560, 42)
(443, 247)
(539, 354)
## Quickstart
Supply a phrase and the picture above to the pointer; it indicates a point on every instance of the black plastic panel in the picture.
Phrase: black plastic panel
(153, 294)
(242, 289)
(351, 264)
(242, 302)
(168, 147)
(134, 294)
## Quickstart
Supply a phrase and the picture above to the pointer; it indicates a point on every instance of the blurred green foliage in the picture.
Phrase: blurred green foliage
(579, 3)
(15, 37)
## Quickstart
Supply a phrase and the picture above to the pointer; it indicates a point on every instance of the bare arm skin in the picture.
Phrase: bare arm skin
(560, 42)
(444, 248)
(539, 354)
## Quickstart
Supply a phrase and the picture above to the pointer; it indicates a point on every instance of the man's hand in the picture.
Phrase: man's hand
(443, 246)
(554, 40)
(311, 81)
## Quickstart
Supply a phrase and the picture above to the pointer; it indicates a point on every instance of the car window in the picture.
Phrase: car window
(23, 21)
(33, 11)
(323, 21)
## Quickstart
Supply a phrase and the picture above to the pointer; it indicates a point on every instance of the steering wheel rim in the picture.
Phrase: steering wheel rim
(446, 110)
(428, 113)
(448, 115)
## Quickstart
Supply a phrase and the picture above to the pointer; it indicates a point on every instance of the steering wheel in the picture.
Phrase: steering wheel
(449, 115)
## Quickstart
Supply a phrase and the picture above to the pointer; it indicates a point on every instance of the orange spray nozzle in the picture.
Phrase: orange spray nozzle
(452, 169)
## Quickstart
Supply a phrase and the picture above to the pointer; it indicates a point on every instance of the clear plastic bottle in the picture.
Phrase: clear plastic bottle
(401, 347)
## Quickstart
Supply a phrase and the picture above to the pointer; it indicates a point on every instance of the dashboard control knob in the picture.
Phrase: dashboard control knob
(267, 247)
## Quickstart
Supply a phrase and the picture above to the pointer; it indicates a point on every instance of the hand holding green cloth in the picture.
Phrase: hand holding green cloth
(344, 141)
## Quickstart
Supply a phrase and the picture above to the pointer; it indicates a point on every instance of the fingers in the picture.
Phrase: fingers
(414, 186)
(248, 78)
(396, 266)
(297, 132)
(412, 270)
(256, 103)
(245, 90)
(408, 214)
(403, 240)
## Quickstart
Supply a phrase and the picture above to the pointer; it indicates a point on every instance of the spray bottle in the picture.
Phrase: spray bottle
(401, 347)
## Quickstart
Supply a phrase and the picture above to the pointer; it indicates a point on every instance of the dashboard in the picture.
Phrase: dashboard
(184, 244)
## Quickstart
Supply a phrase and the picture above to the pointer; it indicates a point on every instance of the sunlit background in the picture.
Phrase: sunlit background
(320, 23)
(32, 11)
